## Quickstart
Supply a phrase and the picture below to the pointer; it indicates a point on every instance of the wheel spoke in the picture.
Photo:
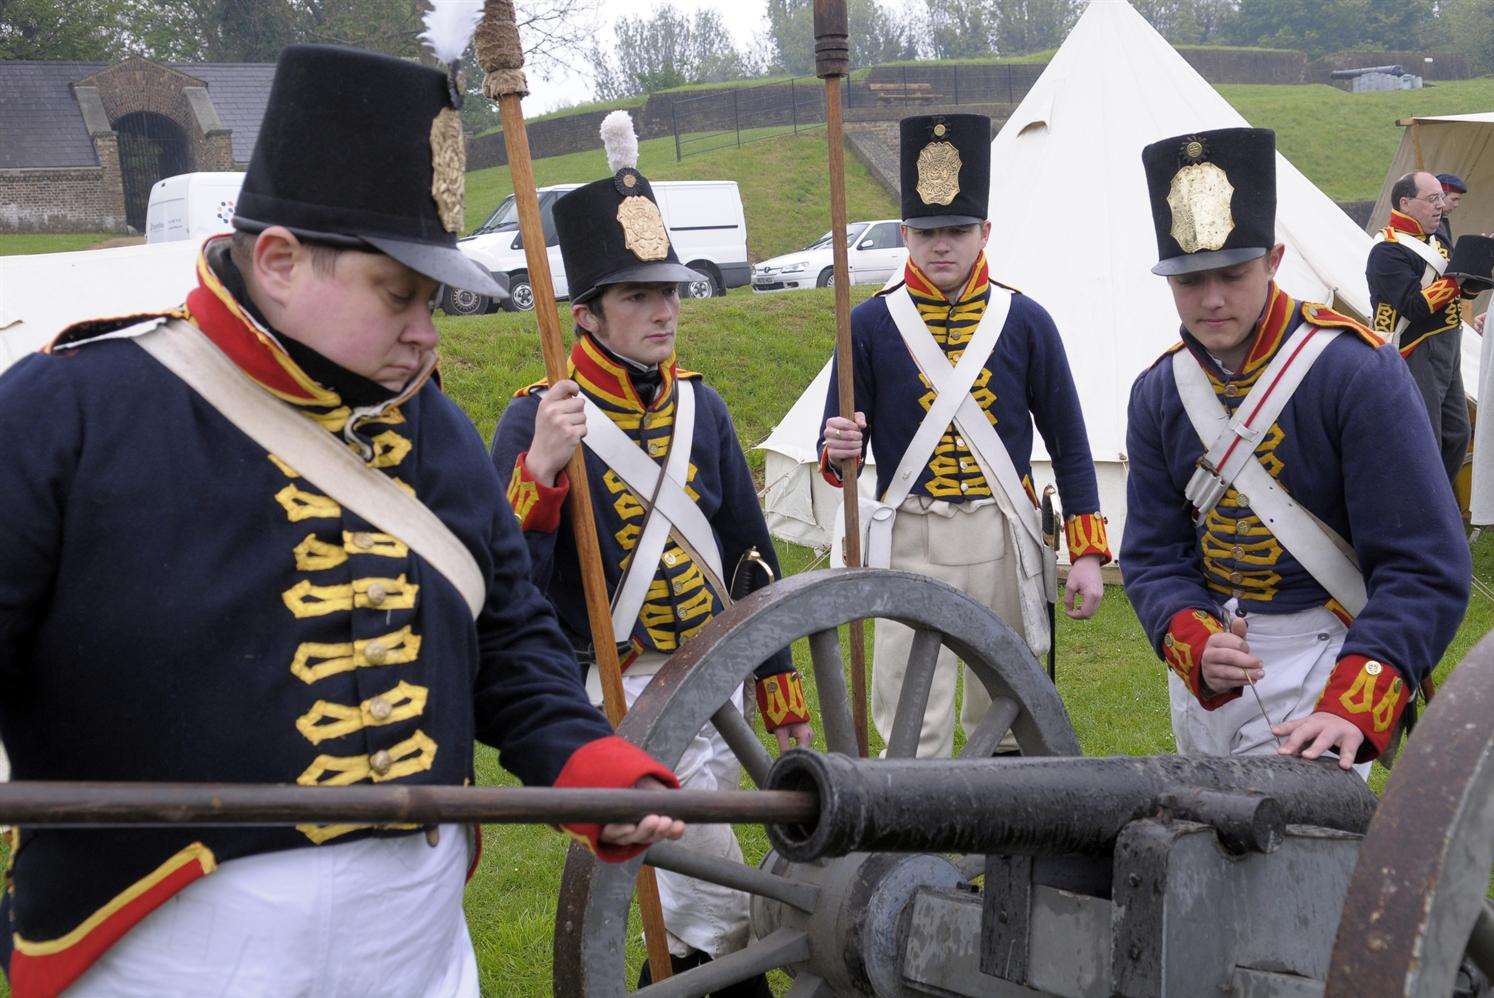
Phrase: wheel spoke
(779, 949)
(913, 702)
(986, 737)
(830, 682)
(729, 873)
(744, 744)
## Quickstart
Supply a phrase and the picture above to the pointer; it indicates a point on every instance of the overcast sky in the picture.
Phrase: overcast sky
(743, 17)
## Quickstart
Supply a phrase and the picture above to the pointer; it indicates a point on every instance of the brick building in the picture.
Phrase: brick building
(81, 143)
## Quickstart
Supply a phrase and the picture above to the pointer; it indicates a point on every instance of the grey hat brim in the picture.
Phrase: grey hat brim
(446, 264)
(1192, 263)
(941, 221)
(662, 272)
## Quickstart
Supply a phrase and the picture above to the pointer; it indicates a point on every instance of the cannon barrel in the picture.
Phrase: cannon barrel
(1052, 806)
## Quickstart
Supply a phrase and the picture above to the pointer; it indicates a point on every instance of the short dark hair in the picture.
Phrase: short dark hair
(1403, 189)
(323, 255)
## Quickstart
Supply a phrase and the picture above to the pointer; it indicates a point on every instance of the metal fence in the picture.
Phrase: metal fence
(734, 116)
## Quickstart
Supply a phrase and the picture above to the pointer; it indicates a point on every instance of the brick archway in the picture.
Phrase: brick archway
(151, 146)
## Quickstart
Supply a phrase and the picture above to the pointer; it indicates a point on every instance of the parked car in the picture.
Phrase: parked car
(874, 251)
(705, 222)
(191, 206)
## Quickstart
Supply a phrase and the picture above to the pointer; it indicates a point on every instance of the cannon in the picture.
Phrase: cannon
(1049, 873)
(995, 873)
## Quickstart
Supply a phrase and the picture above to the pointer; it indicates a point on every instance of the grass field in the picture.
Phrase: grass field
(24, 243)
(1342, 141)
(1112, 684)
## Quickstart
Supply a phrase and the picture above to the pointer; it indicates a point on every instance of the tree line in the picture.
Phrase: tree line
(669, 48)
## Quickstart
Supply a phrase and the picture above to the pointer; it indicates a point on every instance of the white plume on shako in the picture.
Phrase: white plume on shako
(620, 141)
(449, 25)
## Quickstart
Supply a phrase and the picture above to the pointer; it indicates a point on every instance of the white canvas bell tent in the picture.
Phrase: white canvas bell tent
(43, 294)
(1073, 229)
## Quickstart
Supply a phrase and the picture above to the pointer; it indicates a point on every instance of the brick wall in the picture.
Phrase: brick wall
(62, 199)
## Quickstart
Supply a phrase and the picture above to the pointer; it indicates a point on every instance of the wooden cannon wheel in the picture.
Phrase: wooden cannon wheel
(694, 689)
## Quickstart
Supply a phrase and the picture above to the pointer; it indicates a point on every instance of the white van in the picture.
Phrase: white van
(191, 206)
(704, 219)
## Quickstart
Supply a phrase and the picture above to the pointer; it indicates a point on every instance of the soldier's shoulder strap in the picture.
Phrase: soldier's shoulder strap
(114, 327)
(533, 388)
(1326, 318)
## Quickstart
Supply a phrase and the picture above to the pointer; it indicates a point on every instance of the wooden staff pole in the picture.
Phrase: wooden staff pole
(502, 59)
(832, 58)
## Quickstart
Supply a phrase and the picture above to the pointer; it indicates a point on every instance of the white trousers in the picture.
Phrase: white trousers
(697, 914)
(974, 550)
(372, 917)
(1298, 652)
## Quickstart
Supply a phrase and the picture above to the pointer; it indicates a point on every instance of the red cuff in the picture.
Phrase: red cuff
(831, 472)
(1440, 292)
(1085, 534)
(610, 763)
(536, 506)
(1183, 648)
(1368, 694)
(780, 700)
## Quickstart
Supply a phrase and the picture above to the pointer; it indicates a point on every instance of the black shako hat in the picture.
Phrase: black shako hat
(945, 169)
(611, 231)
(1213, 198)
(359, 149)
(1472, 263)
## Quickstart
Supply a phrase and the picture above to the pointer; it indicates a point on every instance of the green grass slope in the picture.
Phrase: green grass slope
(784, 181)
(1342, 141)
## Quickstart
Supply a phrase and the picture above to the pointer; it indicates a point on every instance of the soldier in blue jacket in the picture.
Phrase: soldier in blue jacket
(678, 521)
(178, 603)
(1289, 526)
(960, 506)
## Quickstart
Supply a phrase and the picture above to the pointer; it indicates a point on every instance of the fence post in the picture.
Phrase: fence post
(736, 116)
(793, 105)
(955, 70)
(674, 114)
(1009, 98)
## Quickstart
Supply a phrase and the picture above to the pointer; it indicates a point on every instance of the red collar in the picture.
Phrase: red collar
(605, 380)
(213, 309)
(919, 284)
(1402, 222)
(1270, 330)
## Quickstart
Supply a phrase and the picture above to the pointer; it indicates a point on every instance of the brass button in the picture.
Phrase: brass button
(377, 594)
(1236, 578)
(380, 762)
(363, 540)
(959, 441)
(1231, 390)
(380, 709)
(964, 486)
(1238, 552)
(1372, 668)
(669, 558)
(1169, 641)
(375, 652)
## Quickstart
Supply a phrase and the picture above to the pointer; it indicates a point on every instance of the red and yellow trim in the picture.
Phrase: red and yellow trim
(1325, 317)
(536, 506)
(229, 325)
(1183, 648)
(44, 968)
(1402, 222)
(1085, 534)
(1275, 322)
(605, 380)
(975, 285)
(616, 764)
(1370, 695)
(780, 700)
(831, 473)
(1440, 292)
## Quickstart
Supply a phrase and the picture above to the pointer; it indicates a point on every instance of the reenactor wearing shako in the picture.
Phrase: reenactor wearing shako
(678, 520)
(1289, 527)
(951, 370)
(250, 540)
(1418, 307)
